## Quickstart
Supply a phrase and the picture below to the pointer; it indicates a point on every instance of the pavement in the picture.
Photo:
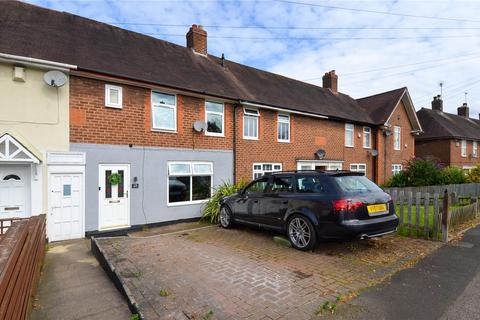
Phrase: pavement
(444, 285)
(241, 273)
(74, 286)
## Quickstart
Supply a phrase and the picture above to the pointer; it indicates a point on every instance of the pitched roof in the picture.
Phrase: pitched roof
(35, 32)
(380, 106)
(442, 125)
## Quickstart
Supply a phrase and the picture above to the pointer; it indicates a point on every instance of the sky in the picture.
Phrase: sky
(418, 44)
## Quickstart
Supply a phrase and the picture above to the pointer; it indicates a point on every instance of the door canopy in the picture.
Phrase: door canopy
(13, 151)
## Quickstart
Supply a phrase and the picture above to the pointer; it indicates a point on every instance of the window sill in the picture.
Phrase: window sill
(367, 147)
(248, 138)
(283, 141)
(186, 203)
(349, 146)
(164, 130)
(209, 134)
(112, 106)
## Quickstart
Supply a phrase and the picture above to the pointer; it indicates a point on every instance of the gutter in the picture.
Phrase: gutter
(250, 104)
(33, 62)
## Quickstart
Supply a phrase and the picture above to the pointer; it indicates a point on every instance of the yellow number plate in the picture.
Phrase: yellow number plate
(376, 208)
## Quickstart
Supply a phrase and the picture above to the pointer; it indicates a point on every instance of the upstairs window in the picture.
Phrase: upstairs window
(283, 128)
(214, 113)
(397, 134)
(164, 111)
(474, 151)
(113, 96)
(250, 124)
(464, 148)
(349, 135)
(367, 137)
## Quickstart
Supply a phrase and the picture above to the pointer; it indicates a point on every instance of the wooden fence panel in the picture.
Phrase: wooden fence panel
(401, 199)
(435, 216)
(22, 249)
(418, 198)
(410, 202)
(426, 214)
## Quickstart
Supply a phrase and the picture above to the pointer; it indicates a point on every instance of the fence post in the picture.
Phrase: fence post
(418, 198)
(435, 216)
(409, 208)
(401, 196)
(426, 215)
(445, 217)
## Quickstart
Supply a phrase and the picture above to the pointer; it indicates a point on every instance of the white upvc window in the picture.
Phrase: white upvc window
(397, 138)
(396, 168)
(250, 124)
(113, 96)
(283, 127)
(367, 137)
(214, 115)
(259, 169)
(164, 111)
(464, 148)
(475, 148)
(349, 135)
(359, 167)
(189, 182)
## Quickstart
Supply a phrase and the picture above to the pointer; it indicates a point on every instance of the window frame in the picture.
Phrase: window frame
(215, 134)
(357, 170)
(395, 138)
(251, 115)
(278, 126)
(190, 175)
(369, 138)
(261, 171)
(347, 125)
(110, 104)
(174, 107)
(396, 166)
(463, 148)
(475, 149)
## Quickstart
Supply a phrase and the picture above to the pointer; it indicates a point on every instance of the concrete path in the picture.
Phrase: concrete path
(444, 285)
(74, 286)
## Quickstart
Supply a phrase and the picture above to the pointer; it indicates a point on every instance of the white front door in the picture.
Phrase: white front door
(114, 203)
(66, 206)
(14, 190)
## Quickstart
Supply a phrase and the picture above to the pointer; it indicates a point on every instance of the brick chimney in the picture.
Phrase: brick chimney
(437, 103)
(330, 81)
(197, 39)
(463, 110)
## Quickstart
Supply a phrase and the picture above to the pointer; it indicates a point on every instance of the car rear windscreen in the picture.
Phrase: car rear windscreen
(356, 184)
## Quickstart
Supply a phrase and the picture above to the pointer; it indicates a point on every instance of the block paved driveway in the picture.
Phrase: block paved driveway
(213, 273)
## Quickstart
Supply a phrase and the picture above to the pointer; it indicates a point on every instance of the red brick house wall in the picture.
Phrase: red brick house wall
(92, 122)
(448, 152)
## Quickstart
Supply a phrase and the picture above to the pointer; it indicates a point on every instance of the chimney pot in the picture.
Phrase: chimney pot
(330, 81)
(463, 110)
(437, 103)
(197, 39)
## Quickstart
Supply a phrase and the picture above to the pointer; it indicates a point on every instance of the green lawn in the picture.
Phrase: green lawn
(405, 229)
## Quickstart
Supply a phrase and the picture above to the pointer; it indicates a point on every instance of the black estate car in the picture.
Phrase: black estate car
(308, 205)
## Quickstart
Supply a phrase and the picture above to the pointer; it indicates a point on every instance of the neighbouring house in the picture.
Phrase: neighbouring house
(161, 125)
(451, 139)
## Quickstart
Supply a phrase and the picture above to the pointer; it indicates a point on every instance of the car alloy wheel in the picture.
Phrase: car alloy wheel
(225, 217)
(301, 233)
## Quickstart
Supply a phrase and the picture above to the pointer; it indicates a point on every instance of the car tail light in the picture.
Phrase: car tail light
(346, 205)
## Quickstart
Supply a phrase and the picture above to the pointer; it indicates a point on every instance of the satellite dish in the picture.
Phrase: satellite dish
(320, 153)
(199, 126)
(55, 78)
(374, 153)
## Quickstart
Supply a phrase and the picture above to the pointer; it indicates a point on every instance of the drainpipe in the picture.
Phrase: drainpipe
(235, 143)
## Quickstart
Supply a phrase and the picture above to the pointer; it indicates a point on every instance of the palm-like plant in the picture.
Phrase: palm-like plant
(211, 212)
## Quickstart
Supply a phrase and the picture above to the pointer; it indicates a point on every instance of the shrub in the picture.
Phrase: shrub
(398, 180)
(474, 175)
(422, 172)
(452, 175)
(211, 212)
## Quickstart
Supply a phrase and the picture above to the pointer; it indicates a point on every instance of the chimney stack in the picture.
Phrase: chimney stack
(463, 110)
(330, 81)
(437, 103)
(197, 39)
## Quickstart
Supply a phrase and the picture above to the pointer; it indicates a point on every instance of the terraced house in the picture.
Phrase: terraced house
(161, 125)
(451, 139)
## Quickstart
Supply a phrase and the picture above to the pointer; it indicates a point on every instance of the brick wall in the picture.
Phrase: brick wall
(447, 151)
(92, 122)
(456, 158)
(308, 134)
